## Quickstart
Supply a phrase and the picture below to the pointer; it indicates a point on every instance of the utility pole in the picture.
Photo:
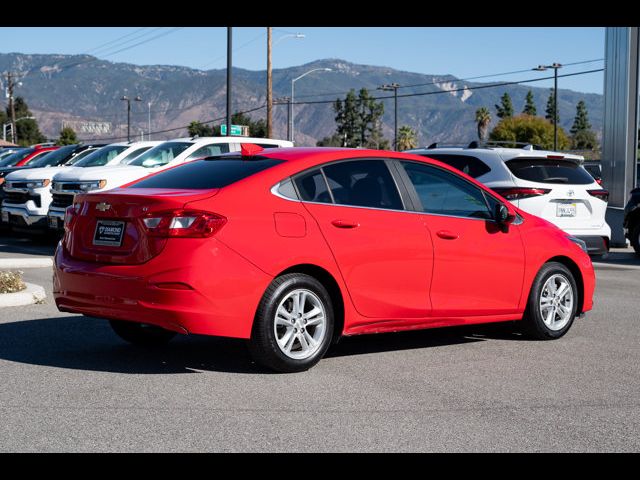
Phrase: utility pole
(128, 100)
(269, 87)
(12, 107)
(388, 88)
(229, 63)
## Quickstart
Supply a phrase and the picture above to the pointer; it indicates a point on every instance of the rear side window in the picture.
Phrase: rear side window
(363, 183)
(206, 174)
(546, 170)
(134, 154)
(313, 188)
(210, 151)
(472, 166)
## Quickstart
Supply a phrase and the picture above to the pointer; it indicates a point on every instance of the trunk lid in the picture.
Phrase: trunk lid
(108, 228)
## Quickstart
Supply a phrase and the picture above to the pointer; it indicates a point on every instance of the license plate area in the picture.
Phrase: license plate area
(566, 209)
(5, 217)
(109, 233)
(53, 223)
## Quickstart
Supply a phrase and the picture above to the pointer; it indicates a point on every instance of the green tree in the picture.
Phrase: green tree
(582, 137)
(331, 141)
(358, 120)
(67, 137)
(505, 109)
(198, 129)
(550, 111)
(407, 138)
(27, 130)
(528, 129)
(529, 105)
(483, 119)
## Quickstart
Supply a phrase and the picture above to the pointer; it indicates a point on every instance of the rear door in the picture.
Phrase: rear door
(478, 267)
(384, 253)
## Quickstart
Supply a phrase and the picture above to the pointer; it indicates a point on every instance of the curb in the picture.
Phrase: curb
(13, 263)
(615, 266)
(32, 294)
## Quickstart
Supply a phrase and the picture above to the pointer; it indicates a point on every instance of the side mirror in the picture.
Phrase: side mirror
(504, 214)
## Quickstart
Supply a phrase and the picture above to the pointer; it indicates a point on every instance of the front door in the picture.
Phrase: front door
(478, 265)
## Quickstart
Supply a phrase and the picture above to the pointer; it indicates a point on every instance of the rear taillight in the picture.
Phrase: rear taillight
(517, 193)
(183, 223)
(600, 193)
(70, 215)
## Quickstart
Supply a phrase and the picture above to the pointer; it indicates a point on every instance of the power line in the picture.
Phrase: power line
(233, 50)
(458, 79)
(116, 40)
(477, 87)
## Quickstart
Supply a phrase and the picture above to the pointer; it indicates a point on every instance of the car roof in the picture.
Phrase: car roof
(228, 140)
(503, 152)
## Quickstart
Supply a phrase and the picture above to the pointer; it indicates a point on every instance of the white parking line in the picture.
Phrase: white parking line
(615, 266)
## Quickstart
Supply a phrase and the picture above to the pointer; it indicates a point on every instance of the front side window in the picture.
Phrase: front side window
(444, 193)
(161, 154)
(101, 157)
(134, 154)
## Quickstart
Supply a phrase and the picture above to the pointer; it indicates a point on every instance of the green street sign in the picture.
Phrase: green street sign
(235, 129)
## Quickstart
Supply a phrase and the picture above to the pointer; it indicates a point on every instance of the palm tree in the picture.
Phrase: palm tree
(407, 138)
(483, 119)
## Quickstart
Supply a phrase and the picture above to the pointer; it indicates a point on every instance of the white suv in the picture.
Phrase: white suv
(551, 185)
(167, 154)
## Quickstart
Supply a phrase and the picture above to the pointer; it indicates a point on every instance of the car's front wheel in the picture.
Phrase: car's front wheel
(293, 325)
(552, 303)
(140, 333)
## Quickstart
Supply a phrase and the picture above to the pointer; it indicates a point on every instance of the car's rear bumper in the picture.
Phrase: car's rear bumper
(193, 286)
(596, 245)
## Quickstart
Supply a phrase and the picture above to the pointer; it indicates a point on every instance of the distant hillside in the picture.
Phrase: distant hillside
(82, 88)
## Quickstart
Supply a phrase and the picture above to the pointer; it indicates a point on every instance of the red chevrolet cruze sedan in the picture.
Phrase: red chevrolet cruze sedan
(292, 248)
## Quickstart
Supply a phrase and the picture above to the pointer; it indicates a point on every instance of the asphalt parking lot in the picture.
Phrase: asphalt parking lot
(69, 384)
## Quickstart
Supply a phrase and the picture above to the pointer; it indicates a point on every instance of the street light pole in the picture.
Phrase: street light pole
(291, 136)
(387, 88)
(542, 68)
(149, 122)
(128, 100)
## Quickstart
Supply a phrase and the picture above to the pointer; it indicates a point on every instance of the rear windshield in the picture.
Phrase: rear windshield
(161, 154)
(14, 158)
(206, 174)
(57, 157)
(101, 157)
(546, 170)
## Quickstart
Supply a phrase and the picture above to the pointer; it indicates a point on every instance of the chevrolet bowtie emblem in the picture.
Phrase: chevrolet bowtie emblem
(103, 207)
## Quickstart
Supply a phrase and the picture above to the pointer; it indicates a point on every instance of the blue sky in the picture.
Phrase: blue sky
(461, 51)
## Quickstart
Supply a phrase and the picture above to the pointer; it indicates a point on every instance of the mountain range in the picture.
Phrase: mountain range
(82, 88)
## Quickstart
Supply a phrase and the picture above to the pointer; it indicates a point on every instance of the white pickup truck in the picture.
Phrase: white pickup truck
(68, 183)
(28, 193)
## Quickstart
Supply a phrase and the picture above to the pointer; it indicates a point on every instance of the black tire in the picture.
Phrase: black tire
(533, 324)
(141, 334)
(263, 345)
(635, 238)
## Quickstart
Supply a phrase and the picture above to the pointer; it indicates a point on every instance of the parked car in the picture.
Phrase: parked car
(549, 184)
(6, 151)
(26, 155)
(631, 220)
(164, 155)
(28, 191)
(25, 189)
(595, 170)
(293, 247)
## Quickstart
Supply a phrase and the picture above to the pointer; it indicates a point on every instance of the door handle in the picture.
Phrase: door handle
(345, 224)
(447, 235)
